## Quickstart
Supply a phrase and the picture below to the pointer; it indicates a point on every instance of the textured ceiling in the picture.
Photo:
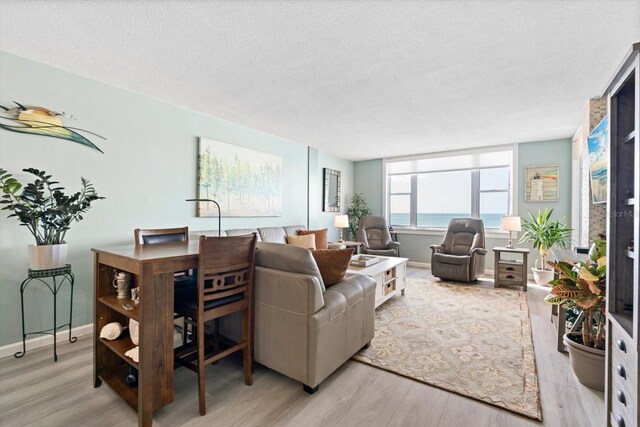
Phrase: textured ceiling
(358, 79)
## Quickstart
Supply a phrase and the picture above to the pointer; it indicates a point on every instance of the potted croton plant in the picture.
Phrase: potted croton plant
(544, 233)
(46, 212)
(582, 287)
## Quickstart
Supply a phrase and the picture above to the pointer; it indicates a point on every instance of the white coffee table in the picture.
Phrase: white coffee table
(390, 274)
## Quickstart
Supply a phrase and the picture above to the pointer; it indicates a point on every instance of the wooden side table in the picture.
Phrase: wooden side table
(510, 272)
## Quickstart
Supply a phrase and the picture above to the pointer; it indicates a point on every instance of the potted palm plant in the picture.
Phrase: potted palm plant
(46, 212)
(544, 233)
(357, 209)
(582, 286)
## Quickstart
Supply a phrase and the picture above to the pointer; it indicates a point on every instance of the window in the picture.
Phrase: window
(428, 192)
(494, 195)
(442, 196)
(400, 199)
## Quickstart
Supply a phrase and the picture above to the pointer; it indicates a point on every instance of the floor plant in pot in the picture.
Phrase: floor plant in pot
(582, 286)
(43, 208)
(544, 233)
(357, 209)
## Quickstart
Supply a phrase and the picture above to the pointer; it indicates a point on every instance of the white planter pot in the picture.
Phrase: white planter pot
(542, 277)
(46, 257)
(587, 363)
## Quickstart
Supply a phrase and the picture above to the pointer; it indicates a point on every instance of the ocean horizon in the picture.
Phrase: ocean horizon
(441, 220)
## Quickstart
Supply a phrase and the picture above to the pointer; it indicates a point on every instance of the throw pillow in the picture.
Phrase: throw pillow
(321, 237)
(307, 242)
(332, 263)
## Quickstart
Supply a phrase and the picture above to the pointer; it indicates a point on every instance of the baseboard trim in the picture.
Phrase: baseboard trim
(419, 264)
(45, 340)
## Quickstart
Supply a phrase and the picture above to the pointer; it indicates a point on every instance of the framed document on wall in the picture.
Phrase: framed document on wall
(541, 183)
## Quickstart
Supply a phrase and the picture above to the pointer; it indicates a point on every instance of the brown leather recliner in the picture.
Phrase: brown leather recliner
(374, 233)
(460, 257)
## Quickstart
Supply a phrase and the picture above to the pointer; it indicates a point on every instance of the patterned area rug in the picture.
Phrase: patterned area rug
(472, 340)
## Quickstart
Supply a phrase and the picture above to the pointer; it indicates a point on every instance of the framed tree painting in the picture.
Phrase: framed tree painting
(244, 182)
(541, 183)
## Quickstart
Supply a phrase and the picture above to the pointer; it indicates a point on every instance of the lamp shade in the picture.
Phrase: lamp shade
(342, 221)
(511, 223)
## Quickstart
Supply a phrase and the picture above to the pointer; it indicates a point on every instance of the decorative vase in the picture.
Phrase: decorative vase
(542, 277)
(46, 257)
(587, 363)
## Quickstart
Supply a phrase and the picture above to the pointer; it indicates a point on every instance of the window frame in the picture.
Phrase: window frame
(475, 192)
(412, 200)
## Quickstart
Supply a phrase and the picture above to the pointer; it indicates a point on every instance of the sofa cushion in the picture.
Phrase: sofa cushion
(287, 258)
(332, 263)
(292, 230)
(321, 237)
(273, 234)
(242, 232)
(307, 242)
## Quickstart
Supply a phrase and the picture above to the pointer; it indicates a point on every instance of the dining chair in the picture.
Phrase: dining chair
(225, 285)
(154, 236)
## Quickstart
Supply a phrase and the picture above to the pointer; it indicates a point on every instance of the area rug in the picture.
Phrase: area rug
(468, 339)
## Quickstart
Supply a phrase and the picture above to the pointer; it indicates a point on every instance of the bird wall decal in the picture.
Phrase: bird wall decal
(42, 121)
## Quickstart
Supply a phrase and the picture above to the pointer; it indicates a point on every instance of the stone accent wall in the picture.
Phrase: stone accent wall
(593, 217)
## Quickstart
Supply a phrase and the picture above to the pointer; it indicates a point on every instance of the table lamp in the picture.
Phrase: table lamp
(341, 221)
(511, 224)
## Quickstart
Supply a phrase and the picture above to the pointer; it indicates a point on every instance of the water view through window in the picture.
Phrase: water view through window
(441, 196)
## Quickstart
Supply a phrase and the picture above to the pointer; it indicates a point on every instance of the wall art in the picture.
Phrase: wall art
(42, 121)
(598, 144)
(245, 182)
(541, 183)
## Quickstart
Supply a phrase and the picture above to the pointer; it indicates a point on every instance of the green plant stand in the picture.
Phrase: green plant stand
(59, 276)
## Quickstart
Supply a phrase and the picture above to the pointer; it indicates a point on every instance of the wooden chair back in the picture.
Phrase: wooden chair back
(226, 267)
(146, 236)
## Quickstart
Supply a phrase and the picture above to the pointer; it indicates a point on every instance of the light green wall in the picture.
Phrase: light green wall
(318, 161)
(369, 181)
(147, 171)
(542, 153)
(416, 246)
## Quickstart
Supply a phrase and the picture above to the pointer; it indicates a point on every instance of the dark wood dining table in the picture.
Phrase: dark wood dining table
(152, 269)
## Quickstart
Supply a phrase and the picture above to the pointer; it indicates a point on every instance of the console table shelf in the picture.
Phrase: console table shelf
(120, 346)
(114, 303)
(120, 386)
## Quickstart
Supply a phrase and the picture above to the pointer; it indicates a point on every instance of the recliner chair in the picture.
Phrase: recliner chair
(460, 257)
(373, 231)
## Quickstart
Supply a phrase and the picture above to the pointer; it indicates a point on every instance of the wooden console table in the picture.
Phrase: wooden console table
(152, 268)
(510, 272)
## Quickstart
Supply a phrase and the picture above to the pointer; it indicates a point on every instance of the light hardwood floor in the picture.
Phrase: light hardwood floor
(35, 391)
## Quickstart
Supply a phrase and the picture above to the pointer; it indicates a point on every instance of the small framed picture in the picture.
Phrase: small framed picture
(541, 183)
